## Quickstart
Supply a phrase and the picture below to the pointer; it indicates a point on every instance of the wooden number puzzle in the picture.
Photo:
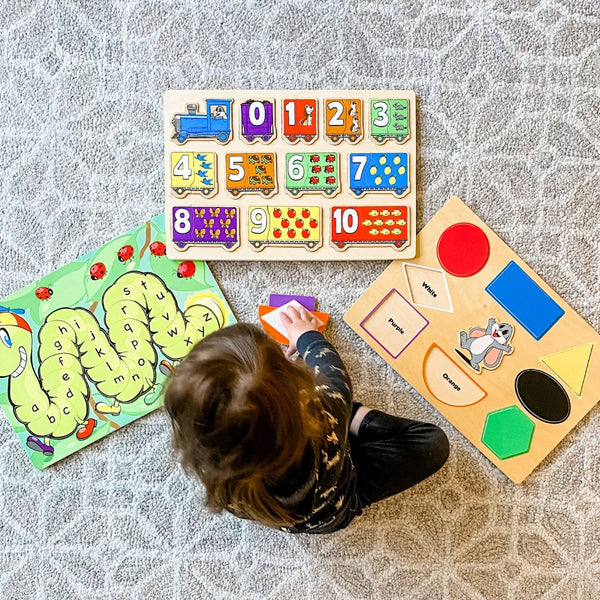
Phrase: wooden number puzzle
(484, 339)
(85, 350)
(290, 174)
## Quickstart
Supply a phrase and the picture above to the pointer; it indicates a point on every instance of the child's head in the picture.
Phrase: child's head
(242, 414)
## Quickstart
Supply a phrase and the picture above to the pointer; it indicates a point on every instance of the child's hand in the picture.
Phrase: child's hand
(297, 322)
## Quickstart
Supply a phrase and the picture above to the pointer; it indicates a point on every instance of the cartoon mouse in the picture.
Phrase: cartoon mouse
(487, 346)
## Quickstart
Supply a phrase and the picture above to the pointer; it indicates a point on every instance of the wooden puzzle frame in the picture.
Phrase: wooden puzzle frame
(185, 210)
(486, 406)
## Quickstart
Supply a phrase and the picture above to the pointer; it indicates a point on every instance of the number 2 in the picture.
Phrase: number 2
(338, 107)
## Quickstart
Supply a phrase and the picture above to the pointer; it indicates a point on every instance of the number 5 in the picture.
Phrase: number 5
(235, 164)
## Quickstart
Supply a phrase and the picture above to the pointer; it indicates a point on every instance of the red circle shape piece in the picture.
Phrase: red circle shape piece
(463, 249)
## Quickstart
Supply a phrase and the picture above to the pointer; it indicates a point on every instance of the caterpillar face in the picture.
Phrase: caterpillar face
(13, 353)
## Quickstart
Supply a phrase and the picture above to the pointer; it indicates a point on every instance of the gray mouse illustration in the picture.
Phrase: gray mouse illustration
(486, 346)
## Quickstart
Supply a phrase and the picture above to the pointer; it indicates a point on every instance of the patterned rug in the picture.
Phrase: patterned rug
(508, 121)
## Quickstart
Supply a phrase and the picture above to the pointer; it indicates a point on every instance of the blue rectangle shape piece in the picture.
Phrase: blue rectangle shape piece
(525, 300)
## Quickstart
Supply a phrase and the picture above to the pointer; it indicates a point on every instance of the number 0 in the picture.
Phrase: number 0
(256, 112)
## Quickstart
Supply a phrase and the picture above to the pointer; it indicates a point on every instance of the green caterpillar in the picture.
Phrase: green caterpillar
(121, 359)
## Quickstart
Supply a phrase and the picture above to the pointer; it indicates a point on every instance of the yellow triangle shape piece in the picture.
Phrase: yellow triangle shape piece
(571, 365)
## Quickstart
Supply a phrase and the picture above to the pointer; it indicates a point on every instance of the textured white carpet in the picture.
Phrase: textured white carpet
(509, 106)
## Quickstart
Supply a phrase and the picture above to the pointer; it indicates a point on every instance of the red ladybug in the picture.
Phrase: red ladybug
(314, 158)
(316, 169)
(125, 253)
(43, 293)
(330, 158)
(158, 249)
(97, 271)
(314, 180)
(186, 269)
(330, 179)
(329, 169)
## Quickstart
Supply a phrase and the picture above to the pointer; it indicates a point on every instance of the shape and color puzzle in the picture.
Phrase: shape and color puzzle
(85, 350)
(290, 174)
(484, 339)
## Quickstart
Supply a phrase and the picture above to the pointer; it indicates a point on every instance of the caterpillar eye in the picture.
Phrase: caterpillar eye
(5, 338)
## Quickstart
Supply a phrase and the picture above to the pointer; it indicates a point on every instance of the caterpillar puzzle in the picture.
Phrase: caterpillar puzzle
(290, 174)
(86, 349)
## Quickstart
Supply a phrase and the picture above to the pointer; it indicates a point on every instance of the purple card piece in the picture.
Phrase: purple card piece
(205, 225)
(308, 302)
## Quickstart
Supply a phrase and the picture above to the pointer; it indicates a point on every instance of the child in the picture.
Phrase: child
(281, 442)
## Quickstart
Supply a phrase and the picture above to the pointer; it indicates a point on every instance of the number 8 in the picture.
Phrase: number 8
(182, 220)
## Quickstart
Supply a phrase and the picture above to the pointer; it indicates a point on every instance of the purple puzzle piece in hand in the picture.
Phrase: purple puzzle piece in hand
(308, 302)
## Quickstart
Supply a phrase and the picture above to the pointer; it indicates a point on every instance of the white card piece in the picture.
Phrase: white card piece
(274, 317)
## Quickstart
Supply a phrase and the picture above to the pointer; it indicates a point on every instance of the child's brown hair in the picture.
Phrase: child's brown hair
(242, 415)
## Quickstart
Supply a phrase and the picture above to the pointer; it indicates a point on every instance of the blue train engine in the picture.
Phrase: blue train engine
(215, 124)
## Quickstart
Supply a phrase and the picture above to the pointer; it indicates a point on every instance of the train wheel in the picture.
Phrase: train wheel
(207, 191)
(178, 191)
(267, 191)
(308, 138)
(223, 136)
(353, 138)
(266, 138)
(329, 191)
(379, 138)
(293, 191)
(234, 192)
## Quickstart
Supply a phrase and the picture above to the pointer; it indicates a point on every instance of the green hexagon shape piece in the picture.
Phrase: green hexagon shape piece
(507, 432)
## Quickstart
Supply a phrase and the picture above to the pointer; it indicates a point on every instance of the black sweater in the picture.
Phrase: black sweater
(321, 485)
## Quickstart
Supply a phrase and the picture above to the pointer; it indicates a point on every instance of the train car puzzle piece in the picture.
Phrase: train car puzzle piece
(193, 172)
(486, 346)
(390, 120)
(285, 226)
(300, 119)
(215, 124)
(373, 225)
(279, 334)
(312, 172)
(206, 226)
(343, 119)
(525, 300)
(571, 365)
(258, 121)
(378, 172)
(250, 172)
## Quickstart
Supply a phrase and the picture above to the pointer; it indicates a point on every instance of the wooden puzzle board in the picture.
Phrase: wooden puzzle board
(290, 174)
(548, 376)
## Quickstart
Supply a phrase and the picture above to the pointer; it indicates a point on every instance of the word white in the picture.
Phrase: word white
(429, 289)
(454, 385)
(395, 325)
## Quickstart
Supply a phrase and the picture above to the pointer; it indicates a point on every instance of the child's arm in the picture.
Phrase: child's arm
(319, 355)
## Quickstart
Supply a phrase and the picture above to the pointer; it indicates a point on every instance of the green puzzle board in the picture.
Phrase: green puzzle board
(95, 340)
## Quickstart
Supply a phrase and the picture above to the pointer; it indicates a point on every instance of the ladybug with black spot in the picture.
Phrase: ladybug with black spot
(43, 293)
(158, 249)
(125, 253)
(97, 271)
(186, 269)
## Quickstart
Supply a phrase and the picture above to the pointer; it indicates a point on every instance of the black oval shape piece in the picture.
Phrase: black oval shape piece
(543, 396)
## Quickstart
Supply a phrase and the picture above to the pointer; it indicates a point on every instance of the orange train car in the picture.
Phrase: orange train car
(343, 119)
(250, 172)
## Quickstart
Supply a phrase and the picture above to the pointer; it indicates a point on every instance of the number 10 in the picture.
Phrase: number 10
(347, 221)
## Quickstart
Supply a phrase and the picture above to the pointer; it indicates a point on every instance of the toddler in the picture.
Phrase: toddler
(282, 442)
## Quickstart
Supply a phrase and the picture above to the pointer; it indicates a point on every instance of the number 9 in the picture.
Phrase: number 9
(258, 218)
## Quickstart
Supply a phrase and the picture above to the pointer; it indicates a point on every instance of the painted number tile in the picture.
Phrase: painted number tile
(250, 173)
(379, 172)
(214, 124)
(369, 225)
(343, 119)
(201, 226)
(284, 225)
(389, 120)
(312, 172)
(193, 172)
(300, 119)
(258, 120)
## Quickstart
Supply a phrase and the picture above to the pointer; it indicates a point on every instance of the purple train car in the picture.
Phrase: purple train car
(257, 120)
